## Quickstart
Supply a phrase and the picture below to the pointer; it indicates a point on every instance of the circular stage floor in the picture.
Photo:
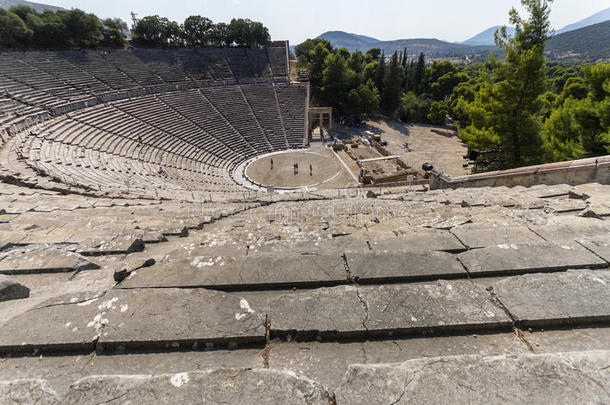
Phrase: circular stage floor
(325, 168)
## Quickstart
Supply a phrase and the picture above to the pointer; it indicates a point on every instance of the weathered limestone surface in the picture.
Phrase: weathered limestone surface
(520, 379)
(511, 259)
(135, 318)
(28, 392)
(179, 317)
(119, 244)
(11, 289)
(600, 246)
(219, 272)
(418, 239)
(573, 297)
(385, 310)
(43, 259)
(572, 228)
(378, 266)
(230, 386)
(475, 236)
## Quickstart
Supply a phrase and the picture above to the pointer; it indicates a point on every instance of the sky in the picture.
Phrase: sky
(297, 20)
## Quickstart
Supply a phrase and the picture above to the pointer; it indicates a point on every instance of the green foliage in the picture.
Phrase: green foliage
(392, 86)
(248, 33)
(512, 105)
(197, 30)
(13, 31)
(438, 113)
(364, 99)
(23, 27)
(115, 23)
(414, 108)
(201, 31)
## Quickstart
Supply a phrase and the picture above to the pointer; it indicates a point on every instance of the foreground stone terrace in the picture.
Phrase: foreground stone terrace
(489, 294)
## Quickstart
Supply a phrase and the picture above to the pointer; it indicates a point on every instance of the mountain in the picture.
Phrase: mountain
(602, 16)
(366, 39)
(6, 4)
(584, 44)
(487, 37)
(429, 46)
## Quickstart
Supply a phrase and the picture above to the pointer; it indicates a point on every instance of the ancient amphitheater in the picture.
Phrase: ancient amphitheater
(140, 264)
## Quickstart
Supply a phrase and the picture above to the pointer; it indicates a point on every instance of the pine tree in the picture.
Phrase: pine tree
(392, 85)
(379, 77)
(511, 106)
(418, 75)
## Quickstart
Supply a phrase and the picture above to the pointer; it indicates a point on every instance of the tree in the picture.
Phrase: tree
(115, 23)
(197, 30)
(364, 99)
(380, 74)
(260, 34)
(13, 31)
(392, 85)
(83, 29)
(513, 106)
(149, 30)
(219, 35)
(372, 55)
(419, 74)
(438, 112)
(337, 81)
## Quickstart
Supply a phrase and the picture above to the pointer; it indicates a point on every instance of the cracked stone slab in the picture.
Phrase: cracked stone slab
(28, 392)
(179, 318)
(349, 311)
(43, 259)
(579, 377)
(600, 246)
(475, 236)
(569, 298)
(573, 228)
(230, 386)
(226, 273)
(384, 267)
(11, 289)
(120, 244)
(62, 323)
(135, 319)
(317, 246)
(418, 239)
(515, 259)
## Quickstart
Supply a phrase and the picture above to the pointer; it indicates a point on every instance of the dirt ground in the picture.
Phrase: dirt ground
(438, 146)
(328, 171)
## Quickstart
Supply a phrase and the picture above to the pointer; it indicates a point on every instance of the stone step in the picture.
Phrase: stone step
(167, 318)
(523, 379)
(197, 268)
(361, 312)
(518, 259)
(11, 289)
(35, 259)
(475, 236)
(376, 267)
(218, 385)
(574, 297)
(599, 245)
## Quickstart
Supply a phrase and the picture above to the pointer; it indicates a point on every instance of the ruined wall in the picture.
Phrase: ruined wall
(593, 170)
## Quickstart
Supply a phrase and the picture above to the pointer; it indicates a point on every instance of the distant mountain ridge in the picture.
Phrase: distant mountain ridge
(584, 44)
(39, 7)
(429, 46)
(597, 18)
(487, 37)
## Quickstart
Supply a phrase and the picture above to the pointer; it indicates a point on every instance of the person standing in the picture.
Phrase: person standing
(310, 170)
(271, 164)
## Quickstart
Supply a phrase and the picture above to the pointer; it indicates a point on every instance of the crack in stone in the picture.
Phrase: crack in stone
(366, 310)
(516, 330)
